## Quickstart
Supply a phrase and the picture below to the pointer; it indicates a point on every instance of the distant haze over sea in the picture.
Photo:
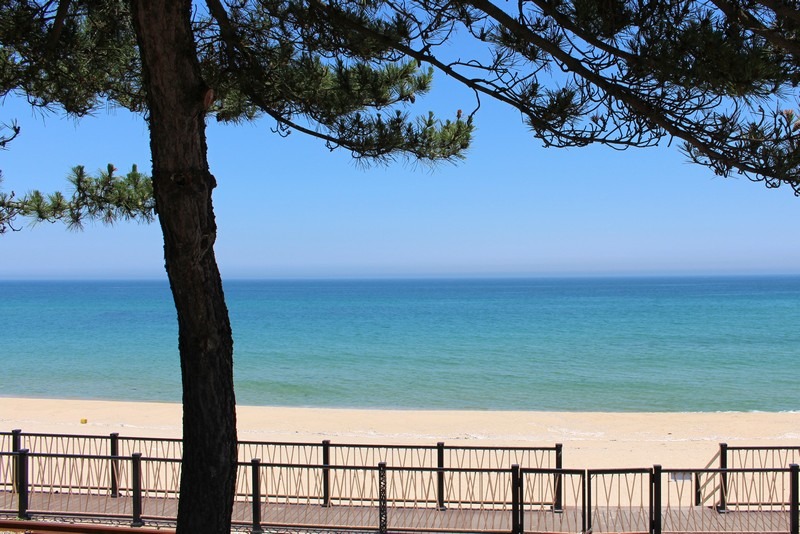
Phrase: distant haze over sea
(593, 344)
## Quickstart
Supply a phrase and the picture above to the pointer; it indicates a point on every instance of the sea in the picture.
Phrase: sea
(687, 344)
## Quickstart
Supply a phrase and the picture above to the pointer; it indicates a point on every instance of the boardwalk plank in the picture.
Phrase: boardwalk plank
(352, 517)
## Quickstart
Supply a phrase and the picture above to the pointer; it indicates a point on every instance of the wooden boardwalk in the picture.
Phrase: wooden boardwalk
(283, 516)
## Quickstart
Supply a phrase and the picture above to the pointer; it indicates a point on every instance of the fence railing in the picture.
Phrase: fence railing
(748, 499)
(620, 500)
(757, 457)
(516, 500)
(439, 455)
(406, 498)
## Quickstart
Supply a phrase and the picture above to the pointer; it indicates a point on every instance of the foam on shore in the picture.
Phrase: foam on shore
(590, 439)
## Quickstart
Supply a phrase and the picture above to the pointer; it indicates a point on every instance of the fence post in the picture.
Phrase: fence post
(794, 498)
(22, 483)
(516, 515)
(136, 483)
(16, 444)
(440, 474)
(588, 485)
(655, 501)
(382, 506)
(114, 447)
(558, 506)
(584, 477)
(16, 440)
(326, 472)
(723, 484)
(255, 468)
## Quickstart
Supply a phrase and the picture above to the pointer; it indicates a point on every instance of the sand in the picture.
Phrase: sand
(590, 439)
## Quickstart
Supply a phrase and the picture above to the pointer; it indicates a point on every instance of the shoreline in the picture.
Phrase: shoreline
(590, 439)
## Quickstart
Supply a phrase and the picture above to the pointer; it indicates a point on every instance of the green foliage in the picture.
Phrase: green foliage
(323, 76)
(73, 54)
(600, 18)
(773, 142)
(274, 58)
(106, 198)
(708, 51)
(626, 74)
(614, 72)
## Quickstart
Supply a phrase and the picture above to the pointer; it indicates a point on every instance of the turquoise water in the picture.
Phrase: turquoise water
(639, 344)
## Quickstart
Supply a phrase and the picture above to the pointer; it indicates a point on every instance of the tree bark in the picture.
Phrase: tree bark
(182, 186)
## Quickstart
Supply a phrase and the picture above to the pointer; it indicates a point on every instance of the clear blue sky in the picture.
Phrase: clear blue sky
(290, 208)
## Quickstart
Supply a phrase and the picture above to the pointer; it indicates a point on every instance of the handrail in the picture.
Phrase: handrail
(762, 448)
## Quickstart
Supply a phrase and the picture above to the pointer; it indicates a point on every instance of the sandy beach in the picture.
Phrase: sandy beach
(590, 439)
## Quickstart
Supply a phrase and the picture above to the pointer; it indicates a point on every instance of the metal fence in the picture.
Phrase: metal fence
(439, 455)
(343, 493)
(748, 500)
(757, 457)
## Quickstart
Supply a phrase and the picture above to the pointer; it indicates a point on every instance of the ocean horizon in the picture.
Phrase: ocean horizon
(614, 344)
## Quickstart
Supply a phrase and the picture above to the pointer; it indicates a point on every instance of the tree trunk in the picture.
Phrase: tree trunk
(182, 185)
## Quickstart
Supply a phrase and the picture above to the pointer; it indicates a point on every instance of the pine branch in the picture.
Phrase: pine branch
(7, 138)
(107, 198)
(292, 76)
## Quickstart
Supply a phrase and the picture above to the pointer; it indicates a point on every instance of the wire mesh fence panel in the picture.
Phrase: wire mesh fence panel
(292, 484)
(619, 500)
(478, 489)
(244, 482)
(316, 518)
(160, 487)
(292, 496)
(681, 505)
(758, 489)
(354, 486)
(430, 499)
(121, 470)
(410, 456)
(762, 457)
(500, 457)
(8, 502)
(73, 485)
(552, 501)
(66, 444)
(6, 442)
(412, 487)
(161, 478)
(539, 489)
(281, 453)
(61, 473)
(748, 500)
(297, 496)
(171, 449)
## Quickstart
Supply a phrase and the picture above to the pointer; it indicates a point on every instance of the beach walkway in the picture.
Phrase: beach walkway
(67, 507)
(421, 488)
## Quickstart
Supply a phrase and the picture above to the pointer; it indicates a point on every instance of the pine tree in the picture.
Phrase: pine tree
(152, 56)
(719, 76)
